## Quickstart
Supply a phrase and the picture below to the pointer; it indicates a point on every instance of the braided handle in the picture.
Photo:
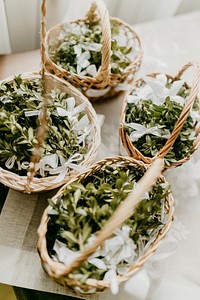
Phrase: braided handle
(123, 212)
(41, 130)
(186, 110)
(103, 74)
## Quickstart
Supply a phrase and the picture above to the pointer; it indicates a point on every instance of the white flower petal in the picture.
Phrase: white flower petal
(70, 103)
(111, 276)
(78, 109)
(84, 56)
(162, 78)
(92, 47)
(99, 263)
(133, 99)
(156, 86)
(83, 63)
(175, 87)
(83, 73)
(61, 112)
(77, 50)
(91, 70)
(195, 116)
(146, 93)
(64, 254)
(178, 99)
(85, 29)
(82, 123)
(78, 69)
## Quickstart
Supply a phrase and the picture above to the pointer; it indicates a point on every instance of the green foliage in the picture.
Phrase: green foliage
(18, 131)
(164, 116)
(85, 207)
(62, 50)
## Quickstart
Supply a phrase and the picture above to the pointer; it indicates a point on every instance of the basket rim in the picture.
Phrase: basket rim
(50, 266)
(18, 182)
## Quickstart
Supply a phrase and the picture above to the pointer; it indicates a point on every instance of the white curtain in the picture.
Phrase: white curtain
(5, 46)
(20, 19)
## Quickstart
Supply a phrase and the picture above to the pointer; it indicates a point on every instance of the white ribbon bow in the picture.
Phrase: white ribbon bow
(66, 165)
(140, 130)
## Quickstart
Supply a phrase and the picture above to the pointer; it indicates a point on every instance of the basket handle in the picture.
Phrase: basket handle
(123, 212)
(41, 130)
(186, 110)
(103, 74)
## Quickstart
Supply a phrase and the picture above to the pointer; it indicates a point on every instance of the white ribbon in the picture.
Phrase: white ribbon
(64, 254)
(83, 61)
(47, 163)
(66, 165)
(10, 162)
(30, 113)
(140, 130)
(120, 247)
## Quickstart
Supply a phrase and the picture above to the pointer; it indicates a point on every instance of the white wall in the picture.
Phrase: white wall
(23, 16)
(5, 46)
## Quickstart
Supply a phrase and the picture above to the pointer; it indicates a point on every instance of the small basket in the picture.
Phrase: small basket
(171, 141)
(61, 273)
(103, 84)
(49, 182)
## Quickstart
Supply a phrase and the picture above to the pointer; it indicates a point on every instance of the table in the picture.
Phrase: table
(175, 41)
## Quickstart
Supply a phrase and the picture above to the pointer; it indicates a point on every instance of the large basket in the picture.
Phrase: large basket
(171, 141)
(61, 273)
(49, 182)
(103, 84)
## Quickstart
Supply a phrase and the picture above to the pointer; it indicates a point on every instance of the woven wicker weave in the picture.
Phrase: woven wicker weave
(134, 152)
(61, 273)
(104, 78)
(19, 183)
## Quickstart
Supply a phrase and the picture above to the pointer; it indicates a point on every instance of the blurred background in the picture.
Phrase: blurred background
(20, 19)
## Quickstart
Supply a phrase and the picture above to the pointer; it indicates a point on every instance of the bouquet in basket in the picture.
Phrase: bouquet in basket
(82, 209)
(95, 53)
(70, 129)
(161, 118)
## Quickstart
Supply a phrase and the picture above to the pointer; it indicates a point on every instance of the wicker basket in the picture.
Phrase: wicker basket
(20, 183)
(129, 145)
(60, 272)
(104, 81)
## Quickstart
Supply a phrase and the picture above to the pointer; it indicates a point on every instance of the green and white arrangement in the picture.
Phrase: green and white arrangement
(69, 135)
(82, 209)
(98, 54)
(152, 116)
(78, 48)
